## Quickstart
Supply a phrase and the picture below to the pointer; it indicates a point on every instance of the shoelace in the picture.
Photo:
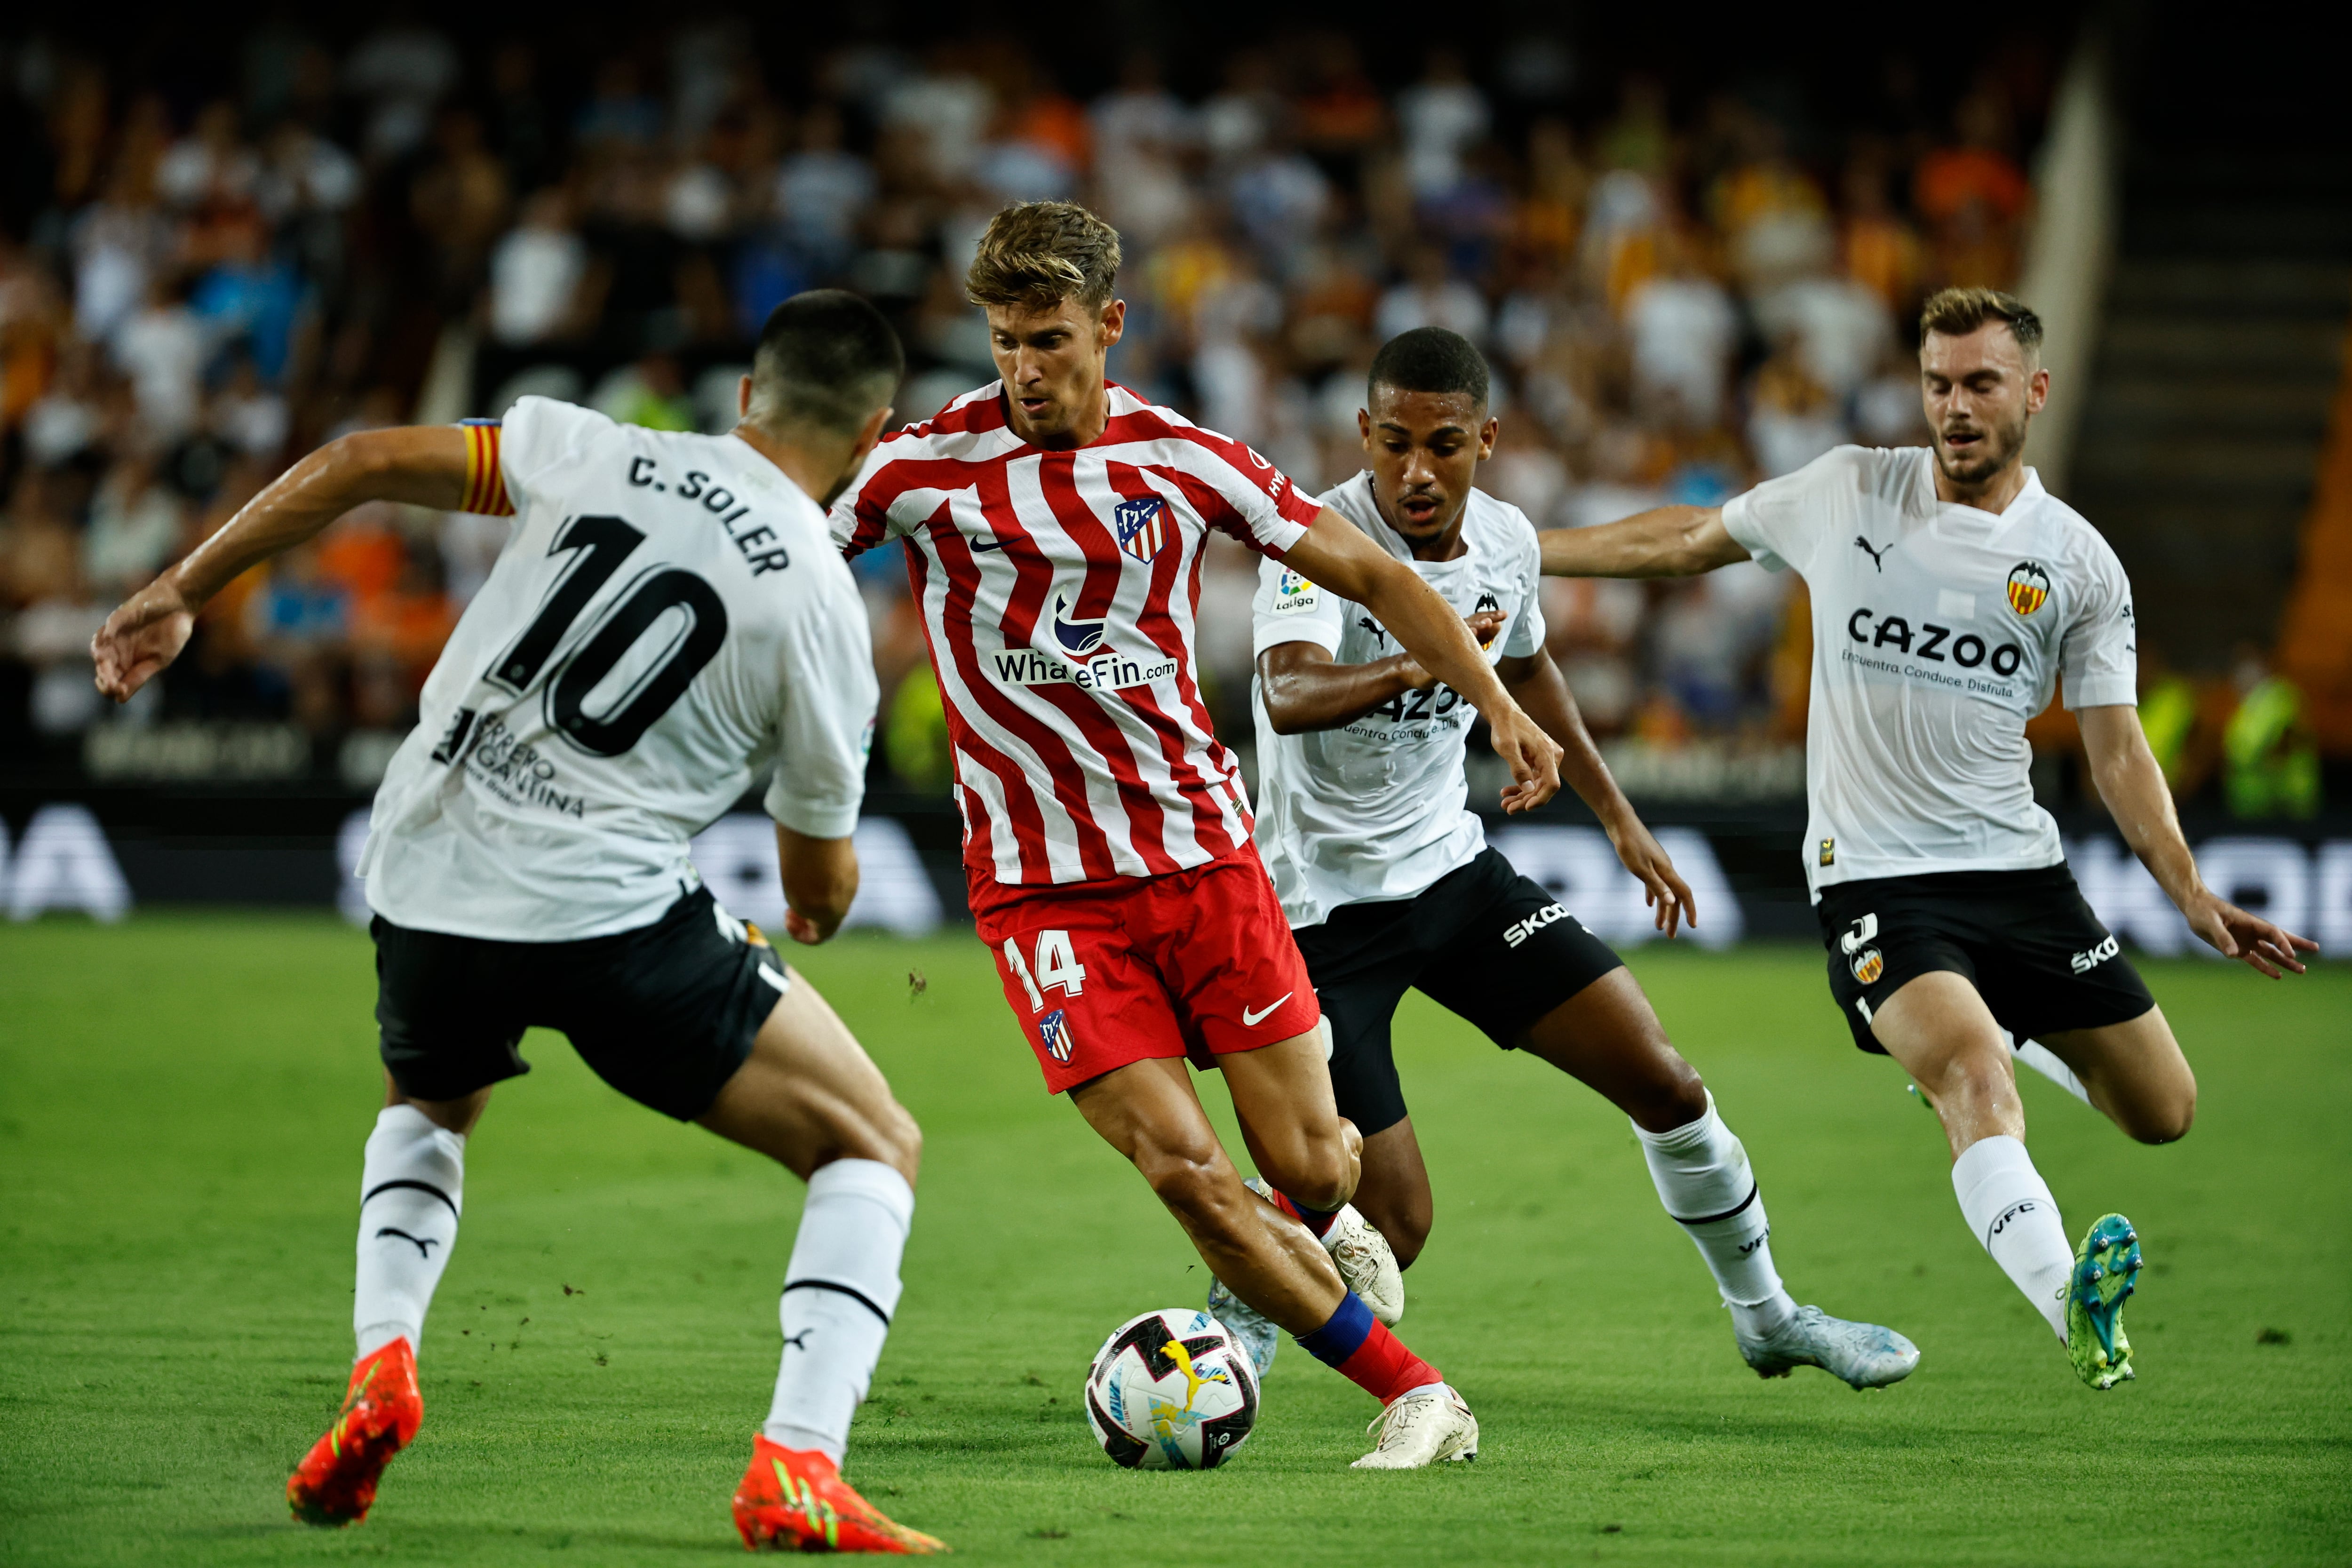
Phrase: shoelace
(1406, 1411)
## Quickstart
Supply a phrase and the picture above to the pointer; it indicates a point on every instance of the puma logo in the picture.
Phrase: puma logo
(1380, 637)
(794, 1340)
(1877, 557)
(423, 1244)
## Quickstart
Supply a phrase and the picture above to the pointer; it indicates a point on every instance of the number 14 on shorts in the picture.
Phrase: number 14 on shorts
(1057, 968)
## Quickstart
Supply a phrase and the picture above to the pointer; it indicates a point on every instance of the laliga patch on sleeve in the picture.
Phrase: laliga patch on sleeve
(1294, 595)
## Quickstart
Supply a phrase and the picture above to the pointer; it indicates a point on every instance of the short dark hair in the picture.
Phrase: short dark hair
(1957, 312)
(1430, 359)
(825, 358)
(1039, 254)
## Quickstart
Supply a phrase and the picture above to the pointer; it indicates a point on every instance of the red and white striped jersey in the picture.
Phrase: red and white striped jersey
(1058, 591)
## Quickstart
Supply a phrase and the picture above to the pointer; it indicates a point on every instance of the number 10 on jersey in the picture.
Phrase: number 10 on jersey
(1057, 967)
(600, 544)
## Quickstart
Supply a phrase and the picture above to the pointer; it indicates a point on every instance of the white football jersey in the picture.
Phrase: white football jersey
(1939, 630)
(669, 618)
(1378, 808)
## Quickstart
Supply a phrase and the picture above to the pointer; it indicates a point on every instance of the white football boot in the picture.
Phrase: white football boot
(1865, 1355)
(1430, 1425)
(1366, 1262)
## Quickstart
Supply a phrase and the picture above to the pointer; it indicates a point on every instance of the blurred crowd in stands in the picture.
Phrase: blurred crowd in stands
(1680, 294)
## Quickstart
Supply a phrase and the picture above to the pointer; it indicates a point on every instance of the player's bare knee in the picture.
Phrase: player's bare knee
(900, 1139)
(1321, 1174)
(2165, 1119)
(1976, 1073)
(1673, 1096)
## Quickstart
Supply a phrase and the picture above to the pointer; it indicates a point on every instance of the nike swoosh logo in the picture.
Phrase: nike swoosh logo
(988, 544)
(1252, 1020)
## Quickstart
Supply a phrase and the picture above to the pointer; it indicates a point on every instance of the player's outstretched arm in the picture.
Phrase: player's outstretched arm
(1666, 542)
(424, 465)
(1536, 682)
(820, 884)
(2136, 795)
(1336, 553)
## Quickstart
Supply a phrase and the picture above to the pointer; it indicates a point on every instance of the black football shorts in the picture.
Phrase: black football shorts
(2025, 940)
(665, 1013)
(1482, 941)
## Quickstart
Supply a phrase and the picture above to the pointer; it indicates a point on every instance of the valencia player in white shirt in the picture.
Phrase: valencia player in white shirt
(1950, 594)
(668, 621)
(1389, 884)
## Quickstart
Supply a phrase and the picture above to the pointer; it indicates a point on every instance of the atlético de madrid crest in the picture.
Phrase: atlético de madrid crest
(1141, 526)
(2028, 587)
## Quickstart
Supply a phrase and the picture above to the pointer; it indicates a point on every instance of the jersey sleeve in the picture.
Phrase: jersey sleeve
(1242, 495)
(1780, 520)
(1525, 638)
(2099, 655)
(860, 518)
(1286, 607)
(827, 724)
(539, 435)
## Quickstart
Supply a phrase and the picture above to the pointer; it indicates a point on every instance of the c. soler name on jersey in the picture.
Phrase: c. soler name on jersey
(757, 542)
(1928, 645)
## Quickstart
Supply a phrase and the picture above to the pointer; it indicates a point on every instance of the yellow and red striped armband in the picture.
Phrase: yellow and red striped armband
(486, 482)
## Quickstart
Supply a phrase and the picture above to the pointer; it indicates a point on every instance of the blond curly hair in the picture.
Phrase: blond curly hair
(1039, 254)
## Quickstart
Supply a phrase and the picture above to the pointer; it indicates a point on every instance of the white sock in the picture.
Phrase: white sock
(2046, 1062)
(840, 1289)
(412, 1187)
(2008, 1205)
(1702, 1176)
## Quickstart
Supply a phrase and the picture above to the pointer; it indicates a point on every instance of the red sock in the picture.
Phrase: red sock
(1383, 1368)
(1319, 1220)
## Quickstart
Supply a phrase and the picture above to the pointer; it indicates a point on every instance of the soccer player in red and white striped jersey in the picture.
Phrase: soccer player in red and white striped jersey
(1053, 525)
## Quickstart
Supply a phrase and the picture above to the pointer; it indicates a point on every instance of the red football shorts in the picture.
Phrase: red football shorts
(1196, 962)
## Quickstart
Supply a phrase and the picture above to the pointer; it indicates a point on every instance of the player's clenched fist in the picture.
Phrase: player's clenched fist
(146, 632)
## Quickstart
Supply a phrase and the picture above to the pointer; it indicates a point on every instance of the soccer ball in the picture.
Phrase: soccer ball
(1171, 1391)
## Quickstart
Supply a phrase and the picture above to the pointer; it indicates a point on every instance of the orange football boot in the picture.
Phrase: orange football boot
(793, 1500)
(336, 1480)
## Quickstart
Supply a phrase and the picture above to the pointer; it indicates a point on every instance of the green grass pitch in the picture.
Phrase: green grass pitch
(183, 1101)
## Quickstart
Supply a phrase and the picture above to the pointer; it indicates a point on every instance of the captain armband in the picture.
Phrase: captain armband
(486, 482)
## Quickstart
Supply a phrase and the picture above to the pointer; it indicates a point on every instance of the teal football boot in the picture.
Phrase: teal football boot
(2106, 1270)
